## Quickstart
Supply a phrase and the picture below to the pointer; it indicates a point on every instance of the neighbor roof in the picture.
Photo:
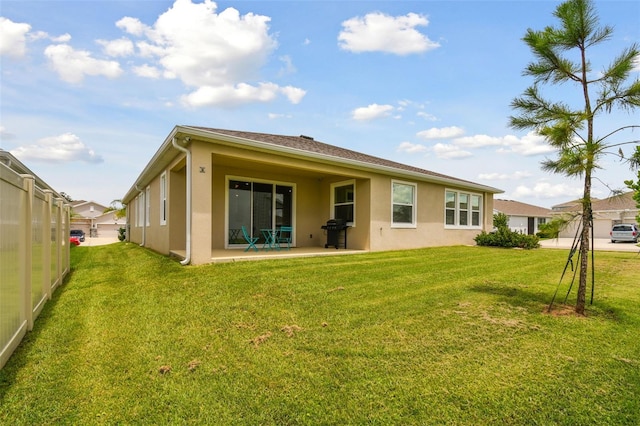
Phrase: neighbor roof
(617, 202)
(516, 208)
(623, 201)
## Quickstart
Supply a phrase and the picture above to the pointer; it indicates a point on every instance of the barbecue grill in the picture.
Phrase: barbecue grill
(335, 228)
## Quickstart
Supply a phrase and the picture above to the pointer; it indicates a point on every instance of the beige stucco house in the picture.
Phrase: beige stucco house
(92, 218)
(620, 208)
(204, 184)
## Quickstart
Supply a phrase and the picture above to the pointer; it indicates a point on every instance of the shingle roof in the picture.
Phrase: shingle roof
(623, 201)
(310, 145)
(617, 202)
(516, 208)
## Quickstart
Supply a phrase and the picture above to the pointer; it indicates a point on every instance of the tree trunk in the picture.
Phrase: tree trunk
(584, 244)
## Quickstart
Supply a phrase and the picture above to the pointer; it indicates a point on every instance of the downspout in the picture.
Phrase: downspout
(144, 218)
(187, 258)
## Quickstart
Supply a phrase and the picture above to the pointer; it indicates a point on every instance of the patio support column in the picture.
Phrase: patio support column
(201, 202)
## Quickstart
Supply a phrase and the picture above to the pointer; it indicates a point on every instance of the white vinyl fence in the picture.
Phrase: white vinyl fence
(34, 253)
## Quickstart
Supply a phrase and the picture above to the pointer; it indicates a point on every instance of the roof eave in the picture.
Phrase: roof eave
(146, 174)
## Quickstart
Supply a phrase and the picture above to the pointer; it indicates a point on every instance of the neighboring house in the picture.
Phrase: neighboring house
(524, 218)
(606, 213)
(203, 185)
(90, 217)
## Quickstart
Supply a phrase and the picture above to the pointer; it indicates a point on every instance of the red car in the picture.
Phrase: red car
(74, 240)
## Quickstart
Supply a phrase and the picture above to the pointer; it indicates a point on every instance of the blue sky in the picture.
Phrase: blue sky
(90, 89)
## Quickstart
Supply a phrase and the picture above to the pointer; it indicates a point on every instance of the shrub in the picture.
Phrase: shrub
(552, 229)
(505, 237)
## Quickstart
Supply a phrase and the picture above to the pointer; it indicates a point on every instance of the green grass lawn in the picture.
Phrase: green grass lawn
(436, 336)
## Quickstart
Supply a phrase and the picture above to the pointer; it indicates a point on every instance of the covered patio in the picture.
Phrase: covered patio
(238, 255)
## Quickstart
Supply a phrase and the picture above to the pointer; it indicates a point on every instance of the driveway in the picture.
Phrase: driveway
(600, 244)
(99, 241)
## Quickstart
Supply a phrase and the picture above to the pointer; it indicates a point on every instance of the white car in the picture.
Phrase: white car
(625, 232)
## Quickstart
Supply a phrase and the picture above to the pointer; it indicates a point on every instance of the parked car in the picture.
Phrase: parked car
(74, 240)
(79, 233)
(625, 232)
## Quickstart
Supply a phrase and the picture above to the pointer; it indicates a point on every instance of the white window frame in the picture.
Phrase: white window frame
(147, 207)
(469, 210)
(163, 198)
(413, 204)
(333, 187)
(140, 210)
(294, 203)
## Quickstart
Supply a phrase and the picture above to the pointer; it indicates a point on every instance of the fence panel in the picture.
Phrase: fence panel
(34, 254)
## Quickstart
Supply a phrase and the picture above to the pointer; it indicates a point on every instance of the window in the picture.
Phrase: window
(257, 205)
(403, 204)
(343, 201)
(542, 221)
(450, 208)
(147, 207)
(140, 210)
(462, 209)
(476, 200)
(163, 198)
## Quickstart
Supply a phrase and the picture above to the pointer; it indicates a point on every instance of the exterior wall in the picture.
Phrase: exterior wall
(107, 225)
(213, 164)
(177, 202)
(430, 230)
(521, 224)
(602, 223)
(162, 238)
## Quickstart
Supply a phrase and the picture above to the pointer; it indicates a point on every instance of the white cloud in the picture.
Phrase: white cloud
(411, 148)
(120, 47)
(530, 144)
(229, 95)
(441, 133)
(287, 65)
(64, 38)
(504, 176)
(450, 152)
(63, 148)
(294, 94)
(274, 116)
(217, 54)
(544, 189)
(13, 40)
(132, 26)
(427, 116)
(147, 71)
(379, 32)
(636, 64)
(371, 112)
(72, 65)
(479, 141)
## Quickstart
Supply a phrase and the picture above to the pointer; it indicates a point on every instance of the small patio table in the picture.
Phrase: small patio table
(270, 239)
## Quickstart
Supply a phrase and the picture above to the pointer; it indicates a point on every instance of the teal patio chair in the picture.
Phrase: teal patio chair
(285, 236)
(249, 239)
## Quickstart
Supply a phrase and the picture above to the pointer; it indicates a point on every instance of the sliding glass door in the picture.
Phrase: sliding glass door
(256, 206)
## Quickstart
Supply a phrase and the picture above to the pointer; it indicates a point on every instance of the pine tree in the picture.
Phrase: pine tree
(561, 59)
